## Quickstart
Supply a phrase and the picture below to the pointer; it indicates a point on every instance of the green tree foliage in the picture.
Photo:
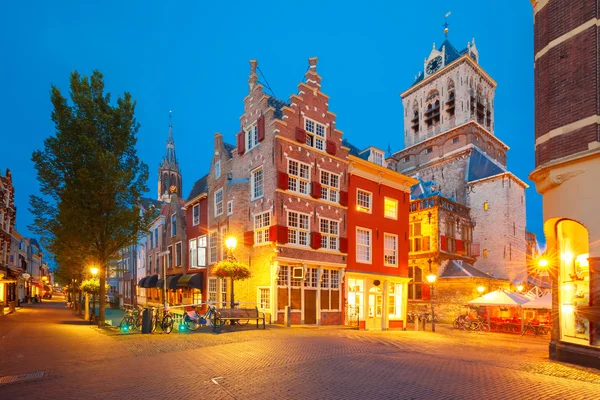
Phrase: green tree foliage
(90, 177)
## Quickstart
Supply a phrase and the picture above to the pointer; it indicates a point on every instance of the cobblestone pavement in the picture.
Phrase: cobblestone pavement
(47, 353)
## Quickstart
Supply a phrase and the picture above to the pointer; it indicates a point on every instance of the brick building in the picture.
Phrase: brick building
(567, 154)
(376, 275)
(8, 216)
(196, 225)
(450, 139)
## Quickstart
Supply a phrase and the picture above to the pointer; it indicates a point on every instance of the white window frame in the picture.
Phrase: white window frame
(218, 169)
(223, 247)
(262, 222)
(218, 204)
(295, 233)
(263, 300)
(173, 224)
(377, 157)
(330, 238)
(395, 291)
(170, 256)
(385, 208)
(392, 251)
(316, 134)
(195, 218)
(202, 245)
(330, 281)
(213, 243)
(298, 182)
(212, 290)
(329, 192)
(253, 188)
(251, 137)
(368, 247)
(367, 208)
(193, 246)
(179, 254)
(223, 292)
(230, 207)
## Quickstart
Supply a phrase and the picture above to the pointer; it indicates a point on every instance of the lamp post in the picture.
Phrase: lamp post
(431, 279)
(231, 243)
(94, 271)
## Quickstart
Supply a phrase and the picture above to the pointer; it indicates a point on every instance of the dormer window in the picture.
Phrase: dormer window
(376, 157)
(315, 134)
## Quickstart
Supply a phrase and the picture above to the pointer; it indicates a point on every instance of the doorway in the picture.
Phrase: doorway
(310, 306)
(375, 309)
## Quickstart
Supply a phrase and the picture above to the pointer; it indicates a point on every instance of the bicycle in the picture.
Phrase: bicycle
(193, 322)
(128, 322)
(168, 321)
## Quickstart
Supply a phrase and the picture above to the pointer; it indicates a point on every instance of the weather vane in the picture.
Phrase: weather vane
(446, 24)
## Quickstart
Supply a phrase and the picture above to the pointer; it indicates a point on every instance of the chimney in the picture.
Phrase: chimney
(311, 77)
(218, 141)
(253, 79)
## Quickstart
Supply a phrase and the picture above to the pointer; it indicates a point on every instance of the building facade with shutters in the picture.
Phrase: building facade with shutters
(376, 289)
(196, 228)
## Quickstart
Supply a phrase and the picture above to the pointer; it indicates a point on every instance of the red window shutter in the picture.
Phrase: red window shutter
(315, 240)
(261, 128)
(300, 135)
(249, 238)
(330, 147)
(282, 234)
(282, 181)
(425, 290)
(273, 233)
(344, 245)
(459, 246)
(444, 243)
(316, 190)
(343, 198)
(241, 142)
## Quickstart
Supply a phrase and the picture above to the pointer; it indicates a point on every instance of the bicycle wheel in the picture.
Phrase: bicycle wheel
(484, 327)
(167, 324)
(126, 324)
(138, 323)
(191, 324)
(154, 323)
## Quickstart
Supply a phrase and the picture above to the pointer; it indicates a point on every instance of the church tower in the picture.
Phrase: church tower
(169, 176)
(449, 139)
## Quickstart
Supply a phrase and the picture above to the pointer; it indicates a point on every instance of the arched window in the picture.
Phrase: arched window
(415, 117)
(450, 103)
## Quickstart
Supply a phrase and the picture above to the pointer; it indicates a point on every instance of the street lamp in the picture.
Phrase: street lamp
(431, 279)
(94, 271)
(480, 289)
(519, 288)
(231, 243)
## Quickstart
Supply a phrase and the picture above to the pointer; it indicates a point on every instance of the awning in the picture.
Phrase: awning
(160, 283)
(501, 298)
(190, 281)
(141, 282)
(150, 281)
(36, 283)
(172, 281)
(541, 302)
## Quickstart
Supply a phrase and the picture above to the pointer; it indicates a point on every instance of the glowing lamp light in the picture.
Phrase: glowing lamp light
(568, 309)
(567, 256)
(543, 263)
(182, 327)
(94, 271)
(431, 278)
(520, 288)
(480, 289)
(231, 242)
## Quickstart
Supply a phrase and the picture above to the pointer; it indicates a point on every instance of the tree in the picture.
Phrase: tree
(232, 269)
(90, 175)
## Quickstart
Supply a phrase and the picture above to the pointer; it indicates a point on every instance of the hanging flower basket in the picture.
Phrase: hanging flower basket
(231, 269)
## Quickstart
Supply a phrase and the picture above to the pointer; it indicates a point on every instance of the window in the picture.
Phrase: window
(173, 225)
(298, 228)
(428, 150)
(415, 286)
(356, 295)
(264, 298)
(330, 289)
(455, 140)
(224, 292)
(261, 227)
(218, 169)
(390, 208)
(330, 186)
(156, 237)
(283, 277)
(213, 247)
(406, 159)
(219, 202)
(170, 257)
(251, 137)
(315, 134)
(151, 240)
(363, 200)
(395, 300)
(377, 157)
(390, 254)
(256, 184)
(202, 251)
(196, 214)
(310, 279)
(329, 234)
(298, 177)
(223, 237)
(178, 250)
(485, 253)
(486, 206)
(363, 245)
(212, 290)
(230, 207)
(193, 253)
(149, 264)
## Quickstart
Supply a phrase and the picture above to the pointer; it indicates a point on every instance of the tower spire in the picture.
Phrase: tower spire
(170, 140)
(446, 24)
(168, 171)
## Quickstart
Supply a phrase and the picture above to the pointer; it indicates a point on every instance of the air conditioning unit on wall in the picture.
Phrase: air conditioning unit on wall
(298, 273)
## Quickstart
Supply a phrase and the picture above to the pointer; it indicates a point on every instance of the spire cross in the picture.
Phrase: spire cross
(446, 24)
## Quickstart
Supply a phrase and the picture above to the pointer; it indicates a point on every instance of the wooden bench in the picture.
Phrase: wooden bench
(223, 315)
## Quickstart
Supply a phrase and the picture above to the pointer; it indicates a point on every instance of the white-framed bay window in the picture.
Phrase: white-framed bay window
(298, 177)
(329, 234)
(363, 245)
(219, 202)
(262, 222)
(298, 228)
(315, 134)
(330, 186)
(390, 252)
(257, 183)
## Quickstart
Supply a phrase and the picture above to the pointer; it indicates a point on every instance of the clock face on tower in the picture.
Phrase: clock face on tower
(434, 65)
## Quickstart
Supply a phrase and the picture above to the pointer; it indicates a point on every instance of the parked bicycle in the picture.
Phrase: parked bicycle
(193, 320)
(477, 324)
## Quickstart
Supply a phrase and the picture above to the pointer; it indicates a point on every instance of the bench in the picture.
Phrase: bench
(222, 315)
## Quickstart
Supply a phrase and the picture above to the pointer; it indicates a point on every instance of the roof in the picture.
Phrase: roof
(200, 186)
(424, 189)
(460, 269)
(501, 298)
(147, 202)
(278, 105)
(451, 54)
(356, 152)
(541, 302)
(230, 148)
(481, 166)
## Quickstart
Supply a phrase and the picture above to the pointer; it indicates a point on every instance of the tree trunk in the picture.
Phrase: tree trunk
(73, 296)
(101, 295)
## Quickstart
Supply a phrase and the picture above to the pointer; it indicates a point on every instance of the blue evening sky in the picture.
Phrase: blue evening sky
(192, 57)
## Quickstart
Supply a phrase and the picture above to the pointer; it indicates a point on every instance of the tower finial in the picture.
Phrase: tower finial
(170, 118)
(446, 24)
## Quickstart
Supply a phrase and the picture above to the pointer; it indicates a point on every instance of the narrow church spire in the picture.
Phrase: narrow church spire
(168, 171)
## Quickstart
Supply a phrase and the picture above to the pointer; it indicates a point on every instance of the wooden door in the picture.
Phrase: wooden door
(310, 306)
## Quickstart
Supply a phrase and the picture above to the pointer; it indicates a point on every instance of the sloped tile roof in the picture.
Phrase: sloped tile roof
(278, 105)
(460, 269)
(481, 166)
(200, 186)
